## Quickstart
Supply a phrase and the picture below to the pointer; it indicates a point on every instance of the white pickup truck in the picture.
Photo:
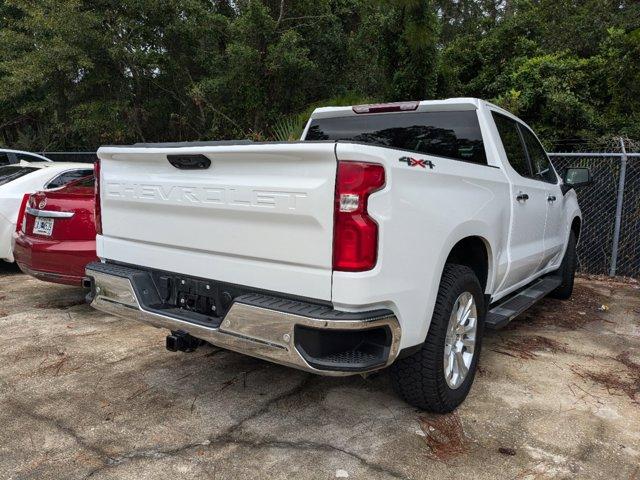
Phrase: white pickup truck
(391, 235)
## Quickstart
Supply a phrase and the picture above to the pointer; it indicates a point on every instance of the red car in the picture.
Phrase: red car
(57, 237)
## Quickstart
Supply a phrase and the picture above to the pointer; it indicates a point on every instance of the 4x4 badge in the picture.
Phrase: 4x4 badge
(414, 162)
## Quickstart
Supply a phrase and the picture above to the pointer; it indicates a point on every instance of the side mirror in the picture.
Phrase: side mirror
(576, 177)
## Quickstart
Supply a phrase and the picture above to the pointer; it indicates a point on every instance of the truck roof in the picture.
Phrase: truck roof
(448, 104)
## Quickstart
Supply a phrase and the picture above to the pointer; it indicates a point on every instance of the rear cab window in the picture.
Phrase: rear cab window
(86, 182)
(450, 134)
(13, 172)
(80, 187)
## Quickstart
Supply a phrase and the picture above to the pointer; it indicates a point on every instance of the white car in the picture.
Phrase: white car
(26, 178)
(390, 236)
(10, 157)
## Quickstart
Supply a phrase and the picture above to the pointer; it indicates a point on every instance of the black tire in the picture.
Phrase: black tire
(567, 271)
(419, 378)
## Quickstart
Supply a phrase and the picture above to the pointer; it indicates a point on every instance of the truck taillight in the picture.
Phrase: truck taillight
(98, 212)
(355, 234)
(20, 221)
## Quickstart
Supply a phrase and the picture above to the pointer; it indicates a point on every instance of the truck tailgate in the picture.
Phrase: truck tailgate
(261, 215)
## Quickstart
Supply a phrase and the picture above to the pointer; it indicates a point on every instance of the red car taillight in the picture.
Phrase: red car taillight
(355, 234)
(98, 212)
(23, 207)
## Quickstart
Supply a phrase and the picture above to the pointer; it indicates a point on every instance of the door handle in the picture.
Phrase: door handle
(189, 162)
(522, 197)
(551, 198)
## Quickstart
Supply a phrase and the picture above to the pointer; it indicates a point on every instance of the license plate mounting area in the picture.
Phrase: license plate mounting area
(193, 295)
(43, 226)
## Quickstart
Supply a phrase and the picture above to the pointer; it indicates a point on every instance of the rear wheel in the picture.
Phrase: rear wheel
(439, 376)
(567, 271)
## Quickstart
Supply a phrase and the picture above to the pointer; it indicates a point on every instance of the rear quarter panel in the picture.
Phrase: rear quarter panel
(10, 198)
(422, 214)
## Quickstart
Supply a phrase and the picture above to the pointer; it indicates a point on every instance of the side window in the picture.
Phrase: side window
(67, 177)
(12, 172)
(508, 130)
(28, 158)
(542, 169)
(4, 159)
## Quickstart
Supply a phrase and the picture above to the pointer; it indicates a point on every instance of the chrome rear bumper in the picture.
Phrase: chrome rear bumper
(249, 329)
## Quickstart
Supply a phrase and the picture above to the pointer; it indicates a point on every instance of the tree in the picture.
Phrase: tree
(80, 73)
(410, 36)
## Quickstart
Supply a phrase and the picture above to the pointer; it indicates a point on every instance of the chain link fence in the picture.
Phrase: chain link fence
(629, 249)
(610, 238)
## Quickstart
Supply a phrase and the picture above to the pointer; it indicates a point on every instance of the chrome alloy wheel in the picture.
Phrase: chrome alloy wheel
(460, 342)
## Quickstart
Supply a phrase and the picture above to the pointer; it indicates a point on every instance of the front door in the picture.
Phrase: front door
(545, 175)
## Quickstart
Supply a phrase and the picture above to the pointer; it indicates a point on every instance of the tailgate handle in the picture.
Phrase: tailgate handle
(189, 162)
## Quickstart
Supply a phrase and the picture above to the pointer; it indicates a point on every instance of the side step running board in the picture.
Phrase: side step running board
(500, 315)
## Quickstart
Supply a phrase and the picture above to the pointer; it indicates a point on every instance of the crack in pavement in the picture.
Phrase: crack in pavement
(111, 462)
(309, 445)
(20, 408)
(229, 437)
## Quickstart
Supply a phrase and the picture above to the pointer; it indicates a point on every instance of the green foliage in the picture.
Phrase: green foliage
(80, 73)
(558, 92)
(289, 128)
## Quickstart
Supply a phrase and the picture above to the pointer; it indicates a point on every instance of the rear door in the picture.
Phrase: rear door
(259, 215)
(528, 206)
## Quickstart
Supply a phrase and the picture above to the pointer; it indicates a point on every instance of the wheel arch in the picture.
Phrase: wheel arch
(576, 227)
(474, 252)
